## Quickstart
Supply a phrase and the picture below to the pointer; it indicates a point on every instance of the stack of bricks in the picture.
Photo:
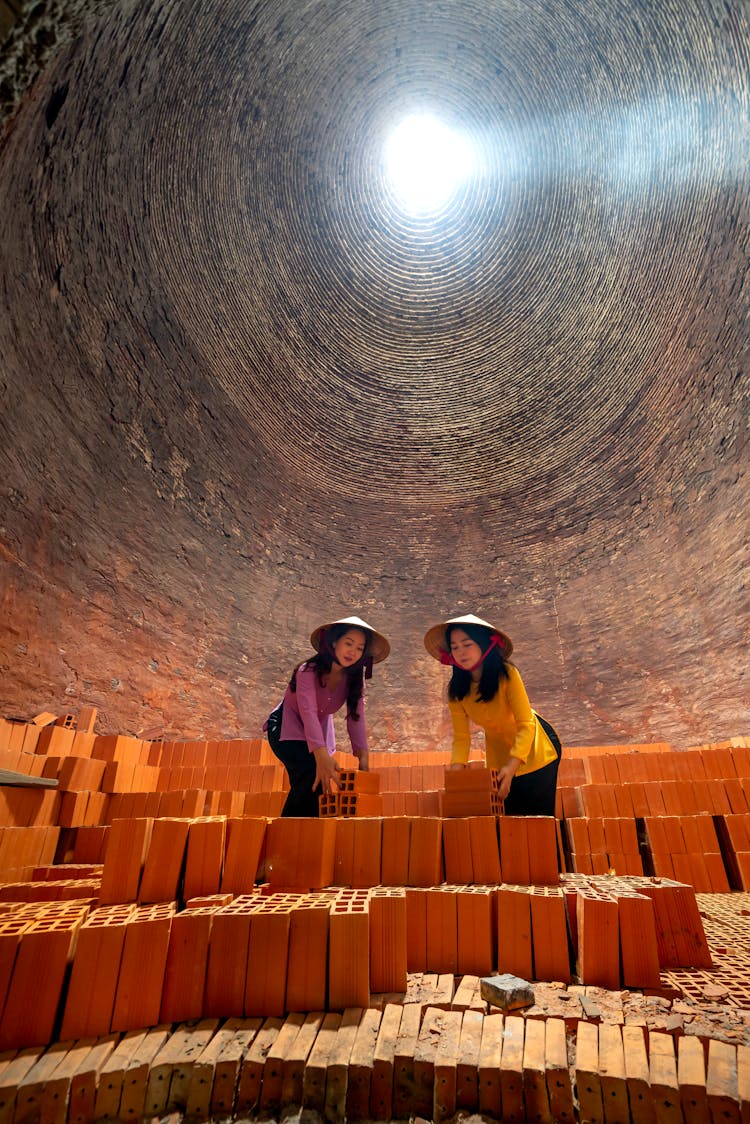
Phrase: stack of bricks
(473, 791)
(358, 795)
(687, 848)
(451, 895)
(598, 846)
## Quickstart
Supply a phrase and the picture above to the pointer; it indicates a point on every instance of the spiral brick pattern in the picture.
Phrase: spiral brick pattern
(247, 389)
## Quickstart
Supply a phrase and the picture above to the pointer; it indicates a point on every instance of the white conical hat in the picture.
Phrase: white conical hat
(435, 644)
(379, 647)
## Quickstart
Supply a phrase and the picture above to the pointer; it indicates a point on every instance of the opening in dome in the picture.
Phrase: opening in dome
(426, 162)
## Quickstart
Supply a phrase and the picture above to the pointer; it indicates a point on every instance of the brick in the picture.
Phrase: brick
(587, 1076)
(665, 1090)
(637, 1074)
(536, 1097)
(511, 1068)
(267, 959)
(127, 845)
(485, 850)
(171, 1071)
(549, 927)
(426, 852)
(253, 1065)
(141, 977)
(226, 971)
(93, 979)
(475, 912)
(164, 861)
(598, 939)
(488, 1072)
(467, 1061)
(442, 930)
(639, 948)
(349, 959)
(388, 941)
(360, 1066)
(316, 1069)
(514, 850)
(338, 1066)
(559, 1087)
(514, 939)
(228, 1067)
(395, 850)
(204, 856)
(457, 855)
(40, 966)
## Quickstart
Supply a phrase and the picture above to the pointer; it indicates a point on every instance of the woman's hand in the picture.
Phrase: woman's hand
(506, 775)
(326, 770)
(364, 761)
(457, 765)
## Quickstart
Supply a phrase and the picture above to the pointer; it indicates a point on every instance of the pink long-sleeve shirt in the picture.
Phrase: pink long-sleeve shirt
(308, 713)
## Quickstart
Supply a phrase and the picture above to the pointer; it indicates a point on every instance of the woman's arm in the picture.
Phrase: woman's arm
(461, 733)
(307, 703)
(357, 730)
(519, 704)
(326, 768)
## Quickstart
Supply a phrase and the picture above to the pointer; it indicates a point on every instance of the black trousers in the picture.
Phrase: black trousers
(299, 763)
(533, 794)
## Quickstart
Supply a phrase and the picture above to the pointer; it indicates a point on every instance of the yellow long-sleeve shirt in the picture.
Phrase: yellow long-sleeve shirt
(511, 728)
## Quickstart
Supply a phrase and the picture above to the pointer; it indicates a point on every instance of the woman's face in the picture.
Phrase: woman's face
(465, 651)
(350, 647)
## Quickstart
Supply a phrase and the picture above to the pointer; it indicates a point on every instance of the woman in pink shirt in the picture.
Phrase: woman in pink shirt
(300, 729)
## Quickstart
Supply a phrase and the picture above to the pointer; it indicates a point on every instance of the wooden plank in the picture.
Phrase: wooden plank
(293, 1066)
(559, 1086)
(204, 1070)
(721, 1082)
(228, 1066)
(23, 780)
(169, 1077)
(535, 1095)
(665, 1090)
(588, 1084)
(314, 1077)
(381, 1082)
(446, 1066)
(85, 1081)
(612, 1075)
(637, 1074)
(112, 1073)
(490, 1053)
(273, 1070)
(338, 1065)
(253, 1064)
(361, 1063)
(511, 1068)
(691, 1078)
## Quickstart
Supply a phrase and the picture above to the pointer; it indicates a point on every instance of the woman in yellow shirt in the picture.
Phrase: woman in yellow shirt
(485, 688)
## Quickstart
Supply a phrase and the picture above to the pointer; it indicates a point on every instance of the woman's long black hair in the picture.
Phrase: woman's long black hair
(322, 662)
(493, 669)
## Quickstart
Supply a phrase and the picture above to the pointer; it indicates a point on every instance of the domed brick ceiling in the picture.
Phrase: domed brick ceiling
(250, 386)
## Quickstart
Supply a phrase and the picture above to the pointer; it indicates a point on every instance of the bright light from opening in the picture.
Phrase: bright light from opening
(426, 161)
